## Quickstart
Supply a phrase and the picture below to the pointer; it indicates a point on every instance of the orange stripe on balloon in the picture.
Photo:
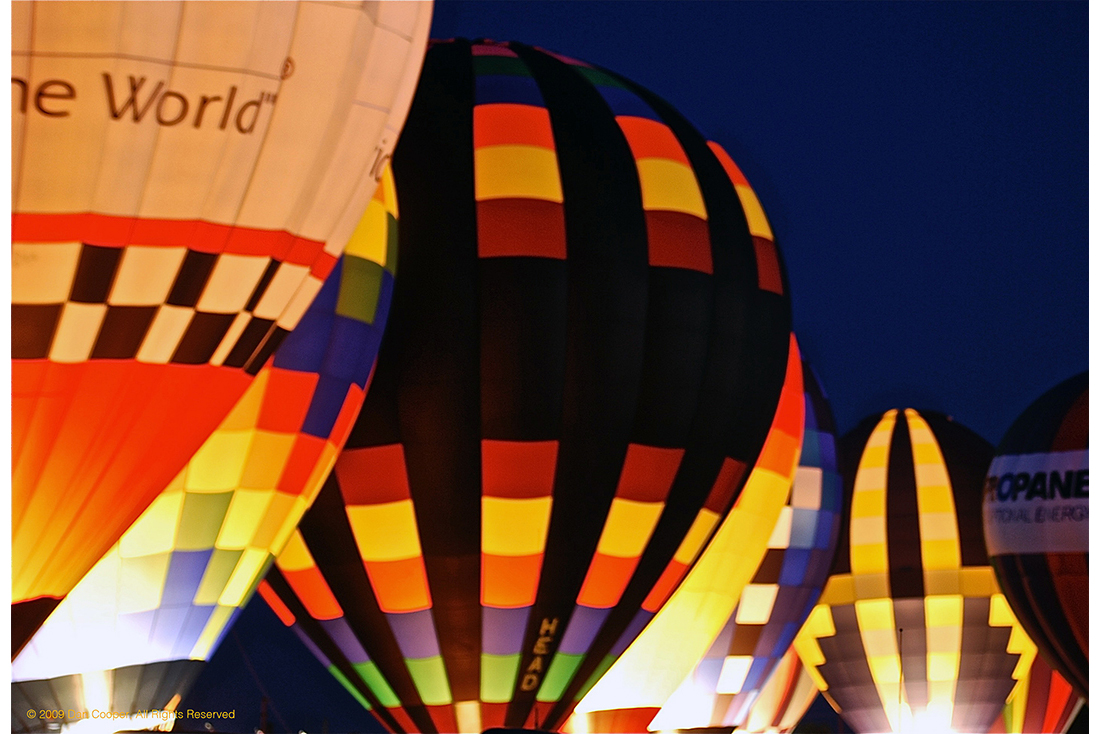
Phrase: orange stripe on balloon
(727, 163)
(651, 139)
(400, 586)
(606, 580)
(1058, 698)
(509, 582)
(349, 411)
(155, 430)
(315, 594)
(512, 124)
(666, 584)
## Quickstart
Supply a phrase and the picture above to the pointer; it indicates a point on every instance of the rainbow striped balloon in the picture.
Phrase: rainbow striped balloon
(136, 631)
(588, 345)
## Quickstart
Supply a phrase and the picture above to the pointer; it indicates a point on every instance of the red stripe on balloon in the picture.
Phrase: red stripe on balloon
(113, 231)
(281, 610)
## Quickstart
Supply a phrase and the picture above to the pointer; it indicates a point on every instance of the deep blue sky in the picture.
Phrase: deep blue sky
(924, 166)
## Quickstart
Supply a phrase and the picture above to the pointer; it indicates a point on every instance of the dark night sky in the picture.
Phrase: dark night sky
(924, 166)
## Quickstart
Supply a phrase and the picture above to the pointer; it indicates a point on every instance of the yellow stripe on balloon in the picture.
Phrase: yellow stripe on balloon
(516, 171)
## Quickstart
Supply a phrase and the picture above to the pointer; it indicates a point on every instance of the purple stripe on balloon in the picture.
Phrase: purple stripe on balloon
(345, 639)
(641, 619)
(583, 627)
(415, 634)
(502, 630)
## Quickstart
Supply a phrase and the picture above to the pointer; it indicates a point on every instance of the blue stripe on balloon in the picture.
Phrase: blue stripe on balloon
(324, 408)
(804, 526)
(811, 449)
(181, 635)
(185, 572)
(507, 89)
(304, 348)
(624, 102)
(794, 566)
(349, 340)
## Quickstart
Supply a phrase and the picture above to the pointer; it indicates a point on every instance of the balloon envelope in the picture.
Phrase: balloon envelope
(1036, 509)
(135, 632)
(184, 177)
(911, 633)
(587, 346)
(725, 687)
(641, 681)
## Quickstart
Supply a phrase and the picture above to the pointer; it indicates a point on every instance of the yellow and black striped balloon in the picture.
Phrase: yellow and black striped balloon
(912, 632)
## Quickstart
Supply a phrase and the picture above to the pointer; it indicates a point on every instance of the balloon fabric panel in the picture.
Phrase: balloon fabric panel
(547, 386)
(727, 683)
(1042, 467)
(664, 654)
(177, 203)
(157, 605)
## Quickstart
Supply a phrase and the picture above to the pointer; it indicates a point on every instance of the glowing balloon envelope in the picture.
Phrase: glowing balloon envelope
(135, 632)
(184, 177)
(725, 687)
(911, 633)
(648, 672)
(1036, 519)
(587, 345)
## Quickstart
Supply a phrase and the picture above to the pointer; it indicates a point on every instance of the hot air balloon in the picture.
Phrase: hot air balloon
(911, 633)
(135, 632)
(184, 177)
(586, 348)
(723, 689)
(1036, 519)
(1043, 703)
(638, 683)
